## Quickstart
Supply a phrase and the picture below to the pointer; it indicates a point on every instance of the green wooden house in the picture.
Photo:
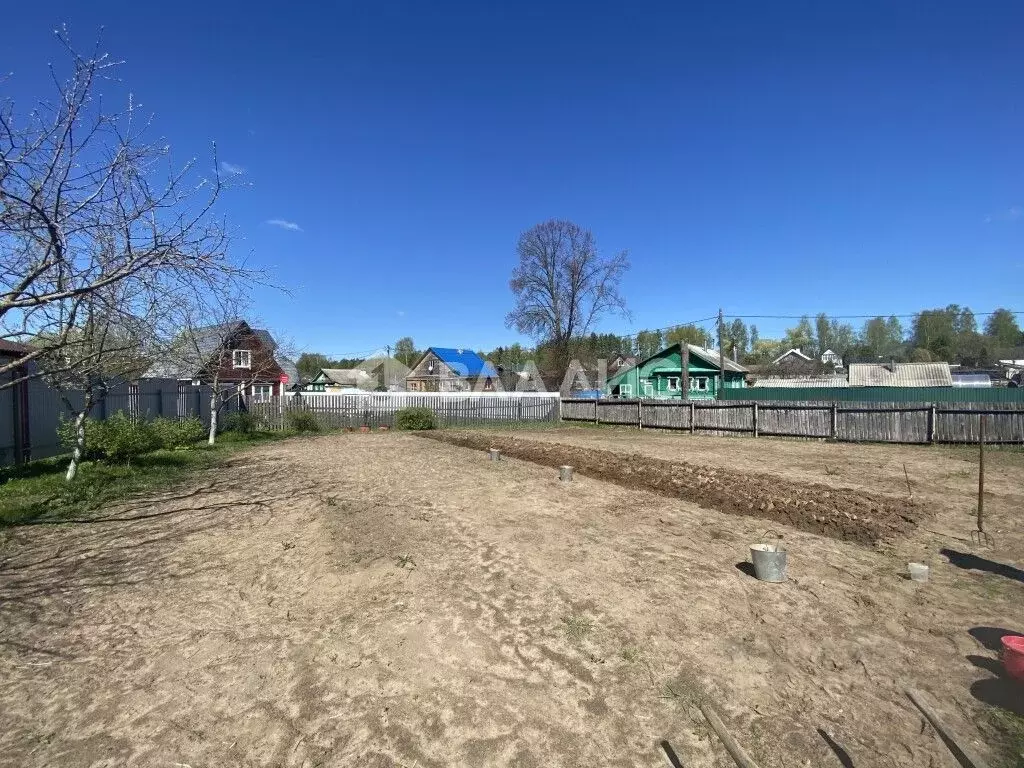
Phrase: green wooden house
(660, 376)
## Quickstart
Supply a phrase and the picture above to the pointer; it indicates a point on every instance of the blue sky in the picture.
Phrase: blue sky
(769, 158)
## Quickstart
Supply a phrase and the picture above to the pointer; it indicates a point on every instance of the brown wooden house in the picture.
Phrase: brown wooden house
(233, 353)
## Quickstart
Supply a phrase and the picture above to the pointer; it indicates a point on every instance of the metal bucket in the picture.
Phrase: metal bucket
(565, 473)
(769, 562)
(495, 454)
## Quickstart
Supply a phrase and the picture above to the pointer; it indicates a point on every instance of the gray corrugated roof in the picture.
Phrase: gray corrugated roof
(900, 375)
(711, 355)
(802, 381)
(347, 376)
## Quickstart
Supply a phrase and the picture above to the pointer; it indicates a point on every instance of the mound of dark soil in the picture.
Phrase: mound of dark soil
(842, 513)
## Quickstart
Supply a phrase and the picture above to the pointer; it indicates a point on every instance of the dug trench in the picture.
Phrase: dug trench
(842, 513)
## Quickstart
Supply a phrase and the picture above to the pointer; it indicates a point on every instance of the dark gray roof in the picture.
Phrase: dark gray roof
(265, 338)
(188, 356)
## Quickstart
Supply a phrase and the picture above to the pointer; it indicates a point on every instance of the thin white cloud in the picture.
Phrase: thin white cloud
(232, 169)
(401, 313)
(291, 226)
(1012, 213)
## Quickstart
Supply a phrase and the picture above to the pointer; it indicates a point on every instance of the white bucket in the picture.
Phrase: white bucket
(918, 571)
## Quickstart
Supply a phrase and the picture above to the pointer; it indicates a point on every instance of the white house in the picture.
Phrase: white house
(828, 357)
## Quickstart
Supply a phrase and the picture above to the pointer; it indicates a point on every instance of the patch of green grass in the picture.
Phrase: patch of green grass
(37, 492)
(631, 654)
(1010, 729)
(405, 561)
(577, 627)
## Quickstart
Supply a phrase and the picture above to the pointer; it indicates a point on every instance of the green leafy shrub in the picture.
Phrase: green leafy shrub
(415, 418)
(303, 421)
(118, 438)
(93, 437)
(174, 433)
(122, 439)
(241, 422)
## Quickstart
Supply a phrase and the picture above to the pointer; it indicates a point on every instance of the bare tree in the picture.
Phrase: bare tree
(88, 203)
(562, 285)
(112, 341)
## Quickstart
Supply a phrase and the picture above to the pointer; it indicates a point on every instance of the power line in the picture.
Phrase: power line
(801, 317)
(867, 317)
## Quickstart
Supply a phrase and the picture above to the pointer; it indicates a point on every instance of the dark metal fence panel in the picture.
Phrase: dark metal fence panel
(36, 430)
(8, 416)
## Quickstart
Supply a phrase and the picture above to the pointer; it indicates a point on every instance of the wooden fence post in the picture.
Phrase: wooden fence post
(981, 476)
(693, 426)
(754, 407)
(640, 414)
(931, 424)
(834, 421)
(597, 417)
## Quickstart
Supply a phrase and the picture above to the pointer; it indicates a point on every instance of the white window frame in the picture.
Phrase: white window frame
(647, 386)
(626, 390)
(673, 383)
(237, 355)
(262, 393)
(698, 383)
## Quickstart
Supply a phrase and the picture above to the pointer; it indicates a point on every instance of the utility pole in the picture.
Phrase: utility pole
(721, 355)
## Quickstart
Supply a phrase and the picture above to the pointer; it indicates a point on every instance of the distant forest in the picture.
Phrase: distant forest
(950, 334)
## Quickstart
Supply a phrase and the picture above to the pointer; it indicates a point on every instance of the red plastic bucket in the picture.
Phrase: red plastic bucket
(1013, 656)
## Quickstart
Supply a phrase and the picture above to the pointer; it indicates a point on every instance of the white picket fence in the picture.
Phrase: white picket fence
(374, 409)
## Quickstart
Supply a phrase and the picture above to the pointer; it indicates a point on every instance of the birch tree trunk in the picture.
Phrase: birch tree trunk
(213, 415)
(79, 449)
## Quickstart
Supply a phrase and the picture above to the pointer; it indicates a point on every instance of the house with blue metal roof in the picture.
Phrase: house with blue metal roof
(452, 369)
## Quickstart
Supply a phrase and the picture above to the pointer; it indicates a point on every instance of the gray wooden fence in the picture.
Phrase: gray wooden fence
(30, 412)
(341, 411)
(921, 423)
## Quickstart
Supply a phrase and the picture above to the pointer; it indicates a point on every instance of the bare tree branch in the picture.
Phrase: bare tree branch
(87, 204)
(562, 285)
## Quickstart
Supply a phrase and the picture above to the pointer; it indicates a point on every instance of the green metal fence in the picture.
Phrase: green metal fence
(880, 394)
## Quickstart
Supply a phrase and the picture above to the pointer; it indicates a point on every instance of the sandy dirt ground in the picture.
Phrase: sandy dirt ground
(387, 600)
